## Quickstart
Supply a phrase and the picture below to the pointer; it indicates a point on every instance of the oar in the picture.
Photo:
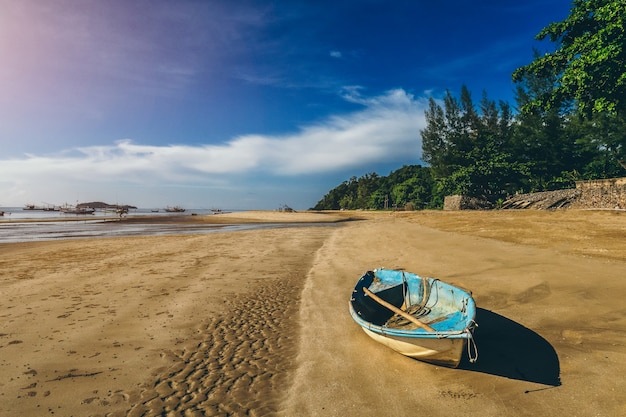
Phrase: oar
(397, 310)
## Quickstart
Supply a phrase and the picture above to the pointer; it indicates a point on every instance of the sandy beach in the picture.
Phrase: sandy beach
(256, 322)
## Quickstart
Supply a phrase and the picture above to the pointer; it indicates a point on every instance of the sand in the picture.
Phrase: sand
(256, 322)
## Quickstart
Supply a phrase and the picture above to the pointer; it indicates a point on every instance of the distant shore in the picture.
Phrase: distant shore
(260, 216)
(257, 322)
(85, 227)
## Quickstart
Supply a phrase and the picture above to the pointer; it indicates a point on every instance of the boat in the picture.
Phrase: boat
(423, 318)
(47, 207)
(77, 210)
(175, 209)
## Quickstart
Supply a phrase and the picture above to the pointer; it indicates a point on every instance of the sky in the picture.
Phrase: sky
(238, 104)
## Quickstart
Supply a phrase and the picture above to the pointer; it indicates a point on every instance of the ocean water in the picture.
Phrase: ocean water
(18, 213)
(19, 225)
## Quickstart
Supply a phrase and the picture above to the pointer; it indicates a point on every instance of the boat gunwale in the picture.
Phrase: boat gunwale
(413, 333)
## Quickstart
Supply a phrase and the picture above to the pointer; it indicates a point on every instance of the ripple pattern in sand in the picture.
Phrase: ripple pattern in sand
(240, 365)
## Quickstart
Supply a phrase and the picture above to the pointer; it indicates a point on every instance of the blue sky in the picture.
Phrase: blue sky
(237, 104)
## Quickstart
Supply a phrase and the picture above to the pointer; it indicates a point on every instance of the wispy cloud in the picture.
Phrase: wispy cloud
(386, 129)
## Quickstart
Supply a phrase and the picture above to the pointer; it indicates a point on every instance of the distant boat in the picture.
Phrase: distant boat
(77, 210)
(422, 318)
(175, 209)
(41, 208)
(155, 210)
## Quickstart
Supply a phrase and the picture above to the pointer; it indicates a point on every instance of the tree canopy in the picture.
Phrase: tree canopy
(467, 146)
(590, 60)
(408, 187)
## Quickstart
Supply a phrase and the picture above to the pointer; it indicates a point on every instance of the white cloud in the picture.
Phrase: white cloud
(336, 54)
(385, 130)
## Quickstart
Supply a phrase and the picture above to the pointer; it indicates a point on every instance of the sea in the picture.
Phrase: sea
(19, 225)
(19, 213)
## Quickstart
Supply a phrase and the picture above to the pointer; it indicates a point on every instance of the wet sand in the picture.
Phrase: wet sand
(256, 322)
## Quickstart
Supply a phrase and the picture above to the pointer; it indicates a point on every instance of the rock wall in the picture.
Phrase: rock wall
(610, 193)
(461, 202)
(544, 200)
(607, 194)
(452, 202)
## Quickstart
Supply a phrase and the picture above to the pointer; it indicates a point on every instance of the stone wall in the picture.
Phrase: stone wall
(461, 202)
(610, 193)
(606, 194)
(452, 202)
(544, 200)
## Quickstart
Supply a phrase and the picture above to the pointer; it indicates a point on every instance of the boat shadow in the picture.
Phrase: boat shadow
(513, 351)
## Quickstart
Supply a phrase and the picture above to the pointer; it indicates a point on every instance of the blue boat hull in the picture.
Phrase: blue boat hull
(447, 313)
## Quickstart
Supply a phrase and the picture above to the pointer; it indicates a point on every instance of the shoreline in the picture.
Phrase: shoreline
(224, 323)
(150, 225)
(251, 216)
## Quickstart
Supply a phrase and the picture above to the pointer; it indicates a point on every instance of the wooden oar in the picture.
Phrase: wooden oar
(397, 310)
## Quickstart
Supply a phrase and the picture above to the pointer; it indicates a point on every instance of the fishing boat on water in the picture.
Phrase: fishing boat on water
(423, 318)
(77, 210)
(175, 209)
(47, 207)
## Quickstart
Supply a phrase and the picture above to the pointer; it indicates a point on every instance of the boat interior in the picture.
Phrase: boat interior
(369, 309)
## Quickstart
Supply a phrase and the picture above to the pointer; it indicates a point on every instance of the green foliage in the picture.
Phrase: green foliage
(602, 141)
(590, 60)
(469, 149)
(410, 185)
(577, 94)
(541, 139)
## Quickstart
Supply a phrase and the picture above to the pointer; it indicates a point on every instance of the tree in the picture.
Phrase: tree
(450, 133)
(434, 138)
(411, 184)
(366, 185)
(469, 151)
(602, 143)
(541, 139)
(590, 60)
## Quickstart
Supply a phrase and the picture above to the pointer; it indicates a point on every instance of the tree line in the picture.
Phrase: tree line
(569, 124)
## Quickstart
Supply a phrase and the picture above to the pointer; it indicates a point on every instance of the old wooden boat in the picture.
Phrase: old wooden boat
(423, 318)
